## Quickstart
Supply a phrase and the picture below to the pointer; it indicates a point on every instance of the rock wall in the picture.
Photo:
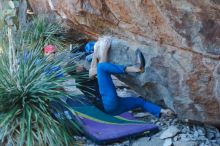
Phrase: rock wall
(180, 40)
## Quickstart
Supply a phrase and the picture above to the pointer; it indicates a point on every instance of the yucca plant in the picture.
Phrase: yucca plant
(40, 29)
(27, 91)
(25, 97)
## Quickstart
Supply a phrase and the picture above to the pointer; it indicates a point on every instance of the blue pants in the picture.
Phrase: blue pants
(113, 104)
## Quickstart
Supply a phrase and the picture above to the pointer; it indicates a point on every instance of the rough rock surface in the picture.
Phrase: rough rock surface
(180, 40)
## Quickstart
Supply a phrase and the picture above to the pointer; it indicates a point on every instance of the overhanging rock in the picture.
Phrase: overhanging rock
(180, 41)
(185, 82)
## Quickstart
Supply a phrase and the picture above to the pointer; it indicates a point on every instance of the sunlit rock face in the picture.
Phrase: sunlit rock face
(180, 41)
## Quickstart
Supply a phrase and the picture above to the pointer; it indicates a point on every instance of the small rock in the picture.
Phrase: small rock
(126, 93)
(117, 144)
(174, 121)
(141, 115)
(218, 141)
(184, 143)
(153, 121)
(203, 138)
(191, 136)
(141, 142)
(201, 132)
(91, 144)
(155, 141)
(184, 130)
(158, 134)
(217, 133)
(207, 142)
(186, 120)
(213, 141)
(148, 138)
(158, 123)
(202, 144)
(168, 142)
(9, 144)
(176, 138)
(79, 138)
(215, 144)
(210, 135)
(211, 129)
(126, 143)
(196, 134)
(170, 132)
(184, 137)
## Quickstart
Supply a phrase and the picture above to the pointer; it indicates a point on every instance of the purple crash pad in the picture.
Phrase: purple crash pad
(105, 132)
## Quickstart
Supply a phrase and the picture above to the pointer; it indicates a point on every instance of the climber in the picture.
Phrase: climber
(112, 103)
(49, 52)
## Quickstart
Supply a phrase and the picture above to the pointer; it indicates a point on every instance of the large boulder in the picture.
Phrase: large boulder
(180, 41)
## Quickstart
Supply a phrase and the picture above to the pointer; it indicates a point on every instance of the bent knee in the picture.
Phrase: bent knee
(102, 66)
(110, 108)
